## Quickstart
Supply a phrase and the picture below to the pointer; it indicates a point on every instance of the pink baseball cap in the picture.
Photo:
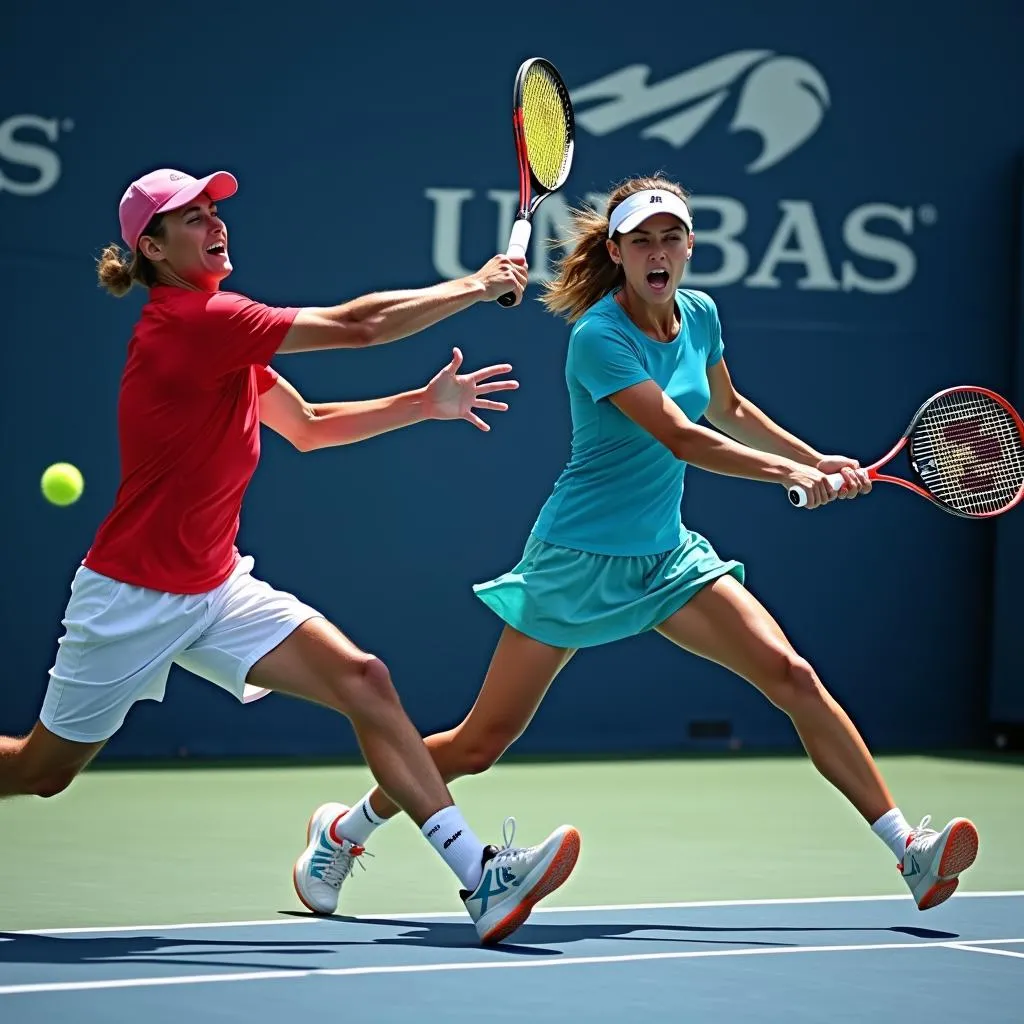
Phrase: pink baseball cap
(163, 190)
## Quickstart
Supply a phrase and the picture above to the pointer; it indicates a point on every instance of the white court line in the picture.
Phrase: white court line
(967, 948)
(477, 965)
(794, 901)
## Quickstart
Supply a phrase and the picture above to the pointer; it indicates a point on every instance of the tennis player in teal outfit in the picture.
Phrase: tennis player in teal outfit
(608, 556)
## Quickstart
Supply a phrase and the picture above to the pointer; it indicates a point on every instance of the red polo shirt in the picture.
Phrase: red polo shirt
(189, 432)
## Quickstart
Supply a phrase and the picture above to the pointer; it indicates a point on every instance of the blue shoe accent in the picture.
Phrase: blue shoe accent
(514, 879)
(323, 855)
(488, 891)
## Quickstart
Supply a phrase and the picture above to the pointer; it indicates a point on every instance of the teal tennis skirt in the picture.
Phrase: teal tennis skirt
(570, 598)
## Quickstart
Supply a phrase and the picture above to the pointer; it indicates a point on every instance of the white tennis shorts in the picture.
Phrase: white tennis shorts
(121, 641)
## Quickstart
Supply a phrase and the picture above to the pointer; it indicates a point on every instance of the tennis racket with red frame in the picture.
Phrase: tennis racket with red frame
(965, 447)
(544, 127)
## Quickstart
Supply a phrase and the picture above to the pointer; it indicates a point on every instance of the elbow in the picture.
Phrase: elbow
(690, 442)
(307, 437)
(681, 444)
(344, 327)
(724, 416)
(361, 331)
(365, 333)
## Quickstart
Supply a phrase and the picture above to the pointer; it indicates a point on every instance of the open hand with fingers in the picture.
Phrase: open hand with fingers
(453, 396)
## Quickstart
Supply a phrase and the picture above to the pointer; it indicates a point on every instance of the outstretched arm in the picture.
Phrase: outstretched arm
(649, 407)
(736, 415)
(448, 395)
(383, 317)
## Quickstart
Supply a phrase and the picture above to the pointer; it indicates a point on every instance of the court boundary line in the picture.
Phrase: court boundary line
(614, 907)
(40, 988)
(968, 948)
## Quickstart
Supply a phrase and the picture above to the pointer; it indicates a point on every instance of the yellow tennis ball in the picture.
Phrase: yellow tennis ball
(62, 483)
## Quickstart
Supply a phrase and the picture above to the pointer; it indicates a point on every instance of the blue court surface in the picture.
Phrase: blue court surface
(875, 959)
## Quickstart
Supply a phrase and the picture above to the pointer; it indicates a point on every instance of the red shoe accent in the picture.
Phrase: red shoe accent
(961, 849)
(938, 893)
(356, 851)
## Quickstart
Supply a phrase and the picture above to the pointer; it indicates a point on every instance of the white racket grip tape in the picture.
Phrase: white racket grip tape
(519, 239)
(798, 496)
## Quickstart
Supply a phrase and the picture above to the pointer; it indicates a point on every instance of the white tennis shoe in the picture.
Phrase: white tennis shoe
(324, 864)
(515, 879)
(934, 861)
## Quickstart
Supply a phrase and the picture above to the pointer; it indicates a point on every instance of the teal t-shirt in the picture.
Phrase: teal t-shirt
(620, 492)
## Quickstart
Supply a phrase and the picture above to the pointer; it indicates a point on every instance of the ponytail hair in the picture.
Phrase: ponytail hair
(117, 272)
(587, 273)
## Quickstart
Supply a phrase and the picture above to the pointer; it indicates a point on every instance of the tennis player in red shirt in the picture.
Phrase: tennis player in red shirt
(164, 583)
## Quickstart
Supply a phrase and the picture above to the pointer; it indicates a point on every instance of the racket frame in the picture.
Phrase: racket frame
(874, 474)
(531, 191)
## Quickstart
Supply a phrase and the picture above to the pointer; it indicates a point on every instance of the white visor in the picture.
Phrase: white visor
(632, 212)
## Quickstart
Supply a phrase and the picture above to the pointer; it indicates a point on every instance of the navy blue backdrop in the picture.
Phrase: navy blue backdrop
(855, 179)
(1007, 696)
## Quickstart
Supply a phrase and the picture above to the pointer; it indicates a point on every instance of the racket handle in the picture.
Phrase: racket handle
(517, 243)
(798, 496)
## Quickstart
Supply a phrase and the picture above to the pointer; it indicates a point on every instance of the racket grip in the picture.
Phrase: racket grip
(519, 239)
(798, 496)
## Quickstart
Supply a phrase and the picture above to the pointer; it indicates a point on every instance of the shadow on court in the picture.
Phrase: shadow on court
(22, 948)
(536, 936)
(532, 940)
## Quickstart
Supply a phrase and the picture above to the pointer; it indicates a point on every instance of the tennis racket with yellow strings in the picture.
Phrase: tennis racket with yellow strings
(544, 127)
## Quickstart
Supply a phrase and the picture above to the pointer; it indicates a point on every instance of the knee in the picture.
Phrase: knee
(364, 686)
(28, 769)
(481, 750)
(49, 783)
(375, 680)
(793, 684)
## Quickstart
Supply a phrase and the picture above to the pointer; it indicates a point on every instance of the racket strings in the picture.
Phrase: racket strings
(968, 452)
(546, 127)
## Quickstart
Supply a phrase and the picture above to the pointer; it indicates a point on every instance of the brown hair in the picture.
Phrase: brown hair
(117, 275)
(586, 272)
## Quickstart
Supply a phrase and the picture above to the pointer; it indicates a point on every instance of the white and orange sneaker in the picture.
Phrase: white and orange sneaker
(324, 864)
(515, 879)
(933, 861)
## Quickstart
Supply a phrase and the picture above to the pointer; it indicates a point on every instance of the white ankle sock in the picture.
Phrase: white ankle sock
(448, 833)
(359, 823)
(892, 828)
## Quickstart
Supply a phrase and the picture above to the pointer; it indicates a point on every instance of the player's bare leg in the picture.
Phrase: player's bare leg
(725, 623)
(319, 663)
(501, 887)
(519, 675)
(41, 763)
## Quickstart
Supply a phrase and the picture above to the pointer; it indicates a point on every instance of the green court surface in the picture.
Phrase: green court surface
(180, 844)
